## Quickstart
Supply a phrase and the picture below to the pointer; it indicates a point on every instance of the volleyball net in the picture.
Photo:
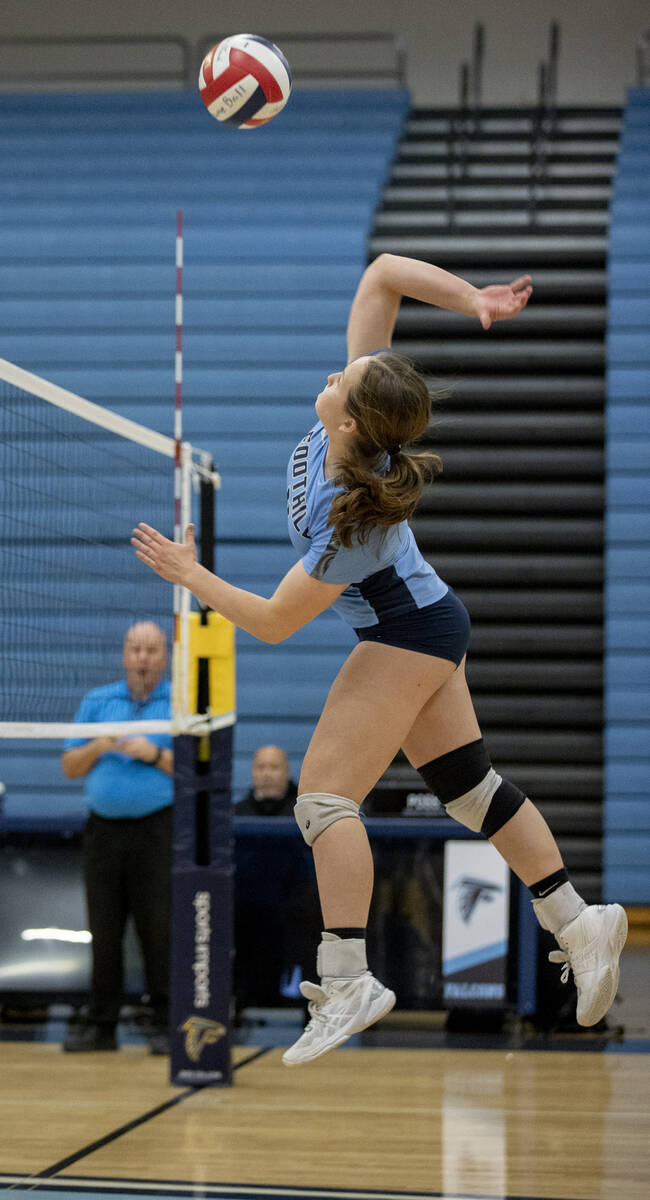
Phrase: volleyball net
(74, 480)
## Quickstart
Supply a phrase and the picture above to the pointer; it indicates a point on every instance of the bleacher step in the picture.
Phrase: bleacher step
(522, 216)
(401, 196)
(509, 353)
(506, 391)
(548, 320)
(513, 125)
(524, 172)
(525, 250)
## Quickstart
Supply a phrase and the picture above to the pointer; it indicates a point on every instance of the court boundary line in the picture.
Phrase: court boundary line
(49, 1172)
(115, 1185)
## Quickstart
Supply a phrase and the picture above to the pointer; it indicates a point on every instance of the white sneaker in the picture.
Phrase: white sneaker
(338, 1008)
(591, 945)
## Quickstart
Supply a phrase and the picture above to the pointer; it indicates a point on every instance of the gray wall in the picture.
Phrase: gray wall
(598, 41)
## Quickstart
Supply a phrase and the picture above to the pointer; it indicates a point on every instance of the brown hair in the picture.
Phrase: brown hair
(391, 406)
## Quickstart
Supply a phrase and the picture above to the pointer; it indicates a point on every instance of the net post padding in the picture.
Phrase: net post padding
(203, 867)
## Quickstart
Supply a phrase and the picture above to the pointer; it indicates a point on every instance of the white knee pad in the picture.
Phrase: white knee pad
(471, 809)
(314, 811)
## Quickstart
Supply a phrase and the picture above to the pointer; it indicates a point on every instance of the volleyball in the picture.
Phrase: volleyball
(245, 81)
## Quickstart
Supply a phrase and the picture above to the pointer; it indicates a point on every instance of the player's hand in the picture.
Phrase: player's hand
(137, 747)
(171, 560)
(498, 302)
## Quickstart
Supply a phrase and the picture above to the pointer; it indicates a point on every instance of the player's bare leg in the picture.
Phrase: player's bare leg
(591, 937)
(371, 706)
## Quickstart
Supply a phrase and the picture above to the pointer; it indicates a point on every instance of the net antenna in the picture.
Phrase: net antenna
(182, 509)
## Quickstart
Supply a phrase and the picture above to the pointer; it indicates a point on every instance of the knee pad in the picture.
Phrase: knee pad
(470, 789)
(314, 811)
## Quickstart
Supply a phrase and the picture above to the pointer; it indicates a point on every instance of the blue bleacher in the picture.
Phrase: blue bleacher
(627, 633)
(276, 225)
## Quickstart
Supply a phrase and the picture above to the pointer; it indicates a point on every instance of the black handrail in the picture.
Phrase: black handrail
(553, 57)
(643, 60)
(544, 120)
(94, 72)
(396, 74)
(468, 120)
(547, 80)
(470, 79)
(477, 68)
(463, 87)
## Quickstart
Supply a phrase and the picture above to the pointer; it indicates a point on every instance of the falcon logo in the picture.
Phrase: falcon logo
(471, 892)
(199, 1033)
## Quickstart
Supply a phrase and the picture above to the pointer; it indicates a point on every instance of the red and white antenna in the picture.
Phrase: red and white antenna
(182, 501)
(178, 379)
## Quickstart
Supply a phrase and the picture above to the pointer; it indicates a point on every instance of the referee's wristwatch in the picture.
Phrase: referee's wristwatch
(154, 761)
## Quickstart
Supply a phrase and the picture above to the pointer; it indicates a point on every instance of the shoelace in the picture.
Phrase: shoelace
(316, 1017)
(560, 956)
(314, 1009)
(318, 998)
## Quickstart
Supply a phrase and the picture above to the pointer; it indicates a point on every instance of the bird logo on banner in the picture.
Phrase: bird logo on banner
(199, 1033)
(471, 892)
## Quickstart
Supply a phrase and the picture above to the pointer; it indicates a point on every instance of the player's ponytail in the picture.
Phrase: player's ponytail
(382, 480)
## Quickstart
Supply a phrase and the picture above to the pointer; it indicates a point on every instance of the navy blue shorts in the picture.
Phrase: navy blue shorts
(441, 629)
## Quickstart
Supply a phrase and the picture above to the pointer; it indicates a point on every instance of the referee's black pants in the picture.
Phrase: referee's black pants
(127, 870)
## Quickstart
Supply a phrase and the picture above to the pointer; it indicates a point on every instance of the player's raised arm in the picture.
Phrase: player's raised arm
(390, 277)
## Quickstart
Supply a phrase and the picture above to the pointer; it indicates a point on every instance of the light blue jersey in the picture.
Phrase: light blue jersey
(387, 575)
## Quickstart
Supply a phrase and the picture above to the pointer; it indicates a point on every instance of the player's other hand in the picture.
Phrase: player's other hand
(171, 560)
(498, 302)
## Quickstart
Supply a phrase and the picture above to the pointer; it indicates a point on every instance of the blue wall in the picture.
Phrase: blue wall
(627, 659)
(276, 223)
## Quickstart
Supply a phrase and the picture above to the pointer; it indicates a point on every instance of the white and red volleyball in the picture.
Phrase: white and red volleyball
(245, 81)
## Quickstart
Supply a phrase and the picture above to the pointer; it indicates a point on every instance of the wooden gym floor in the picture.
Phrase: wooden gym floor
(361, 1122)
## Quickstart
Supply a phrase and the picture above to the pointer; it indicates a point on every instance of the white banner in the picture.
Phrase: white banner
(475, 923)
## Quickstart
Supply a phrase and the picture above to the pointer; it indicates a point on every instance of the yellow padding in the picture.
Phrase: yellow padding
(216, 642)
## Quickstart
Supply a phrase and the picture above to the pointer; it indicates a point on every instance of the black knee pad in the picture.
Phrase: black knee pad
(488, 801)
(506, 801)
(456, 773)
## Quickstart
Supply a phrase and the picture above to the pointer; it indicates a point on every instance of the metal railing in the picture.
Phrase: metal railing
(347, 59)
(467, 121)
(643, 60)
(471, 75)
(547, 79)
(66, 60)
(544, 121)
(312, 68)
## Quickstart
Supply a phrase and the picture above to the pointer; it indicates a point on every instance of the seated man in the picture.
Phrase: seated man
(276, 901)
(273, 793)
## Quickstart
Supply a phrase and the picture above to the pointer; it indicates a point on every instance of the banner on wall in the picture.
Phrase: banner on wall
(476, 912)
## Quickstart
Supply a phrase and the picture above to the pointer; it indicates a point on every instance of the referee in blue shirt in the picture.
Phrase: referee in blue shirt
(127, 839)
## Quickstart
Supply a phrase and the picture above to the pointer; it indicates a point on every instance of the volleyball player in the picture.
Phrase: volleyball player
(352, 486)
